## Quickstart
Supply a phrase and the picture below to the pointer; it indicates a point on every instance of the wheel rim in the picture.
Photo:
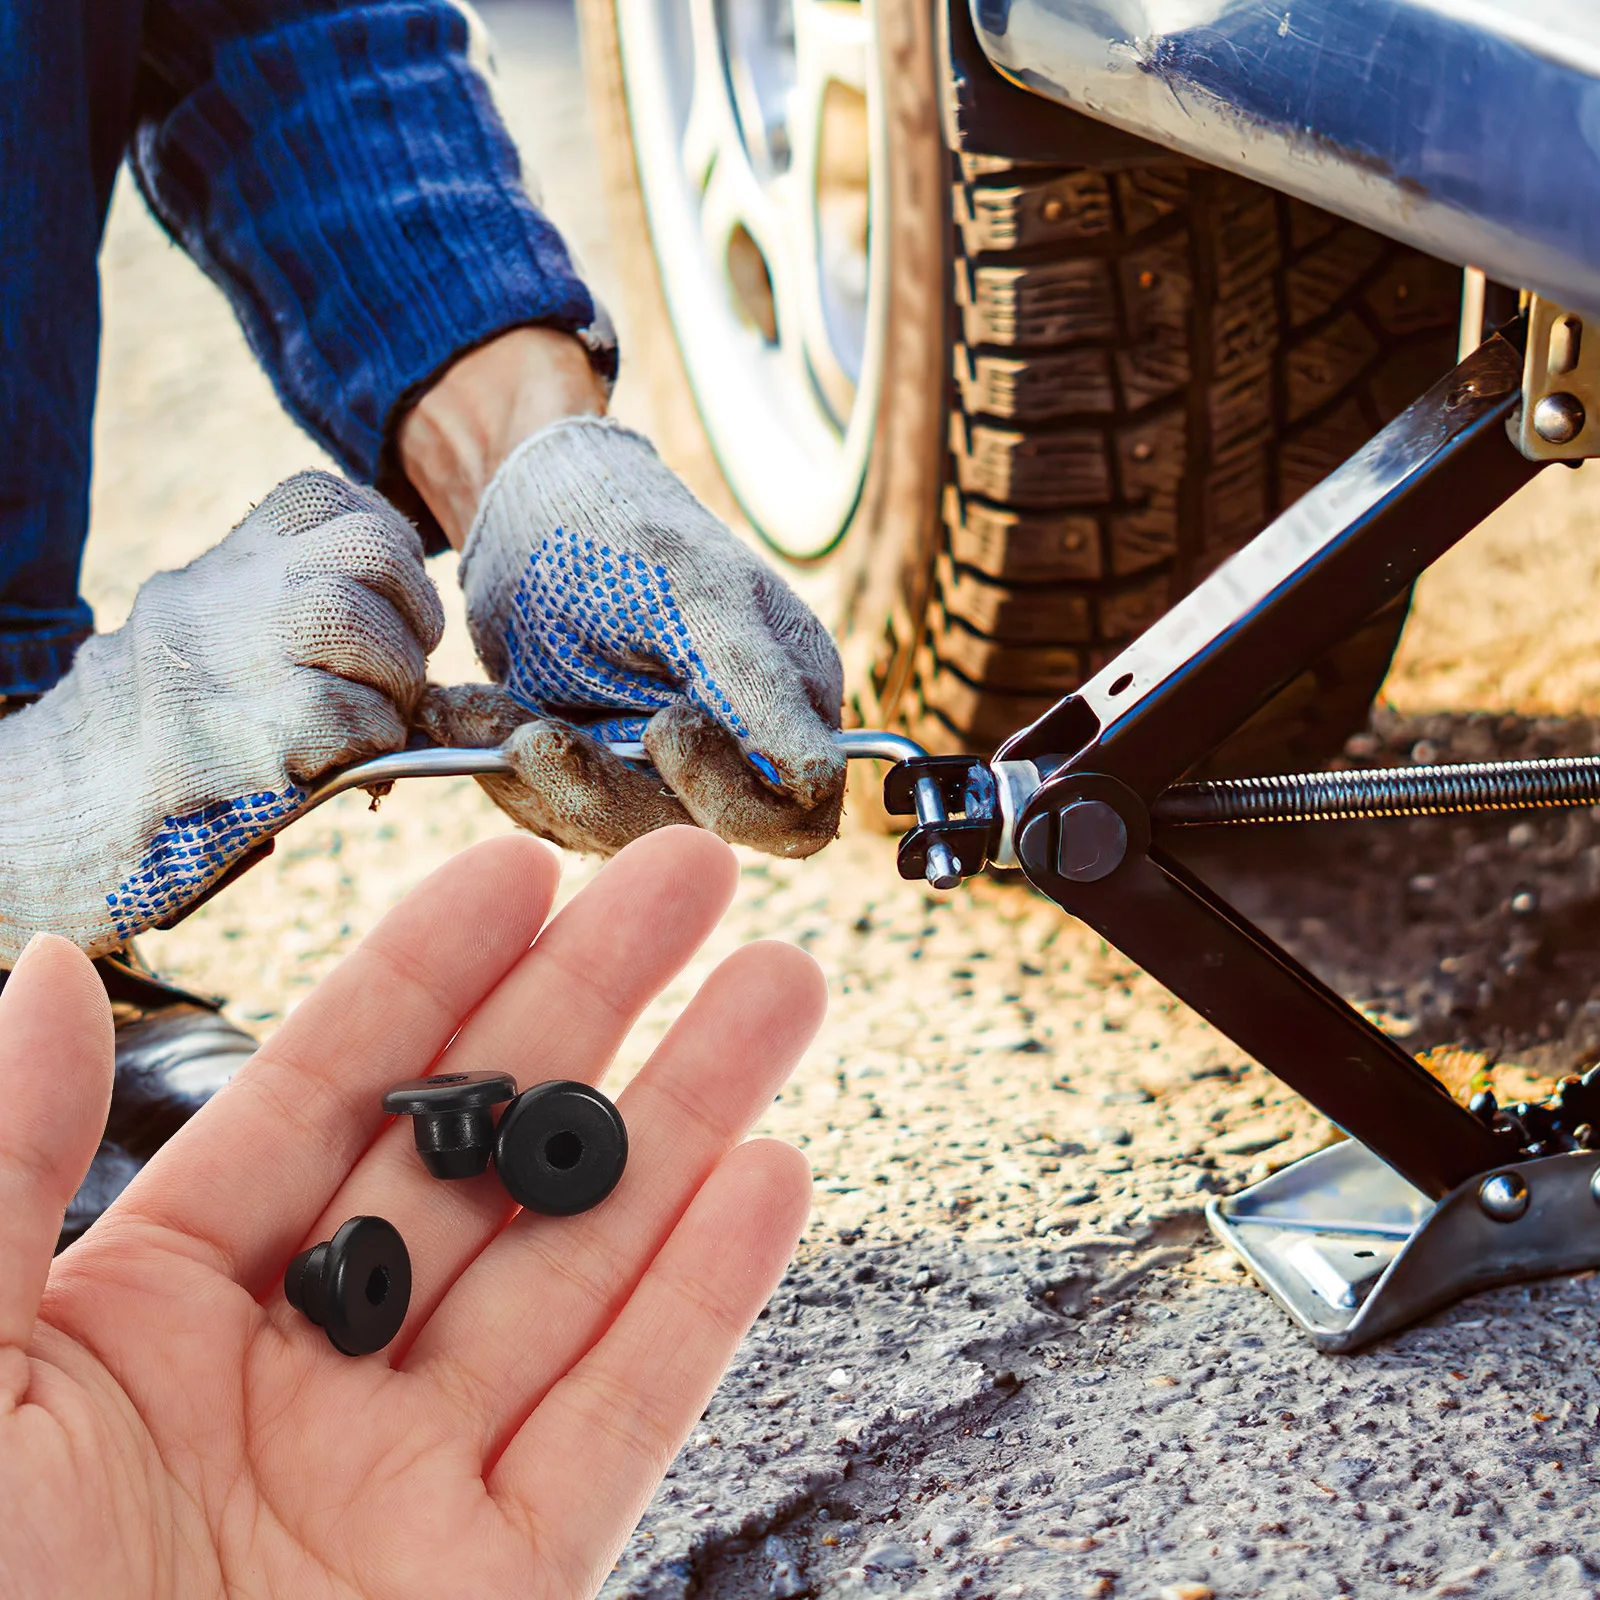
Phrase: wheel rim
(757, 134)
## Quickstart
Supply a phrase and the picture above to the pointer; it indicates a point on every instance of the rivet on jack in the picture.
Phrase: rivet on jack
(1559, 418)
(1503, 1196)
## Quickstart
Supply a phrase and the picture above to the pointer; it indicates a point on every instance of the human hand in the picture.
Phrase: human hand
(180, 742)
(599, 590)
(169, 1426)
(602, 595)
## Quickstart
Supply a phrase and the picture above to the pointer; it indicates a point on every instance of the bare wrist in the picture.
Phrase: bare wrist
(455, 437)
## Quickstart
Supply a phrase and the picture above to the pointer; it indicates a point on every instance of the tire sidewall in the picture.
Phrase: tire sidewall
(884, 563)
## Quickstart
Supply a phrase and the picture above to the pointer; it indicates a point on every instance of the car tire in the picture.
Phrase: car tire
(1091, 387)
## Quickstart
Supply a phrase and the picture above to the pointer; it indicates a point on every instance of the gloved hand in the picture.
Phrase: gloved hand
(602, 595)
(179, 742)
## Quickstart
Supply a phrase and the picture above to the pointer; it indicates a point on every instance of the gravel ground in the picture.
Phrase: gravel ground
(1009, 1361)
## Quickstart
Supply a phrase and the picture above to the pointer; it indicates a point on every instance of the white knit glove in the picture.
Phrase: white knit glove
(603, 597)
(180, 742)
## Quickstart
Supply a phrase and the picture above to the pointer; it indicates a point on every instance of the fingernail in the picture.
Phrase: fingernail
(765, 768)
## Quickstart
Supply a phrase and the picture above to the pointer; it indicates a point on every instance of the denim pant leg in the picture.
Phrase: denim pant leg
(68, 68)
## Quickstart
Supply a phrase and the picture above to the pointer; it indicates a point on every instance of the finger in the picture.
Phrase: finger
(384, 553)
(765, 669)
(626, 1408)
(247, 1175)
(345, 628)
(722, 791)
(338, 722)
(471, 715)
(710, 1080)
(299, 506)
(55, 1083)
(572, 790)
(561, 1012)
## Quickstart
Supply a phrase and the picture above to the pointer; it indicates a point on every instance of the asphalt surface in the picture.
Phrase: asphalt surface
(1009, 1361)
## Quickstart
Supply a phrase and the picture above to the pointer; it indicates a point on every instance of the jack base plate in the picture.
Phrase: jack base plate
(1353, 1252)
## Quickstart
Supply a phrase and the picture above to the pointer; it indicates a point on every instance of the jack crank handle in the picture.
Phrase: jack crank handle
(857, 744)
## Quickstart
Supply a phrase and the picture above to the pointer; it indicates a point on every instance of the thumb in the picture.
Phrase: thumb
(765, 669)
(56, 1062)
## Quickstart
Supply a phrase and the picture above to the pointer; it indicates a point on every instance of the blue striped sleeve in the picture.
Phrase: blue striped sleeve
(338, 167)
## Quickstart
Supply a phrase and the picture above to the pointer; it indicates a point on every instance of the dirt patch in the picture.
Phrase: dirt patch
(1480, 932)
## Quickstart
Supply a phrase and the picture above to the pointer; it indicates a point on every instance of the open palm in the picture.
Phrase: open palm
(170, 1426)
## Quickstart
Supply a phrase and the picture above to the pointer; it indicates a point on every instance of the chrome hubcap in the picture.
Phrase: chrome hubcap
(756, 132)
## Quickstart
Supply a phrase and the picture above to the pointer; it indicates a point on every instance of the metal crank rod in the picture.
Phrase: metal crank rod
(439, 761)
(377, 775)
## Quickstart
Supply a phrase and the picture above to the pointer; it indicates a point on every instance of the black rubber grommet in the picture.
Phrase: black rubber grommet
(452, 1118)
(560, 1148)
(356, 1287)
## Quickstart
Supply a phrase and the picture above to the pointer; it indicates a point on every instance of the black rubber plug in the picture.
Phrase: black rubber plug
(452, 1118)
(356, 1287)
(560, 1148)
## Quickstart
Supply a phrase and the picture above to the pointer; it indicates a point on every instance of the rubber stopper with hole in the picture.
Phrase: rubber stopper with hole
(452, 1118)
(560, 1148)
(356, 1287)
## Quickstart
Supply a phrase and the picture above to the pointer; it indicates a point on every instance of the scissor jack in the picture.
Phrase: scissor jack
(1428, 1200)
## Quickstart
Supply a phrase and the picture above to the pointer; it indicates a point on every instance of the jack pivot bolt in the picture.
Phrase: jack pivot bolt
(452, 1118)
(560, 1148)
(944, 866)
(1093, 841)
(356, 1287)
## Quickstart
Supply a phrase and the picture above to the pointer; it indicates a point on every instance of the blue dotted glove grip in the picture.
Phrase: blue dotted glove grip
(578, 607)
(190, 852)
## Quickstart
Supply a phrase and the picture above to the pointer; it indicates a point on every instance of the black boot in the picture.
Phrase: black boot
(174, 1051)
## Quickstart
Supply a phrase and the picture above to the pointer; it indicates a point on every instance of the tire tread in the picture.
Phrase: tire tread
(1148, 366)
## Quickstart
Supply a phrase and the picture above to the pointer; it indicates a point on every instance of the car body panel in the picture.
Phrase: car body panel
(1468, 128)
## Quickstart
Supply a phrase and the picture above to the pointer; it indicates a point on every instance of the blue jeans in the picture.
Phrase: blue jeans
(67, 99)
